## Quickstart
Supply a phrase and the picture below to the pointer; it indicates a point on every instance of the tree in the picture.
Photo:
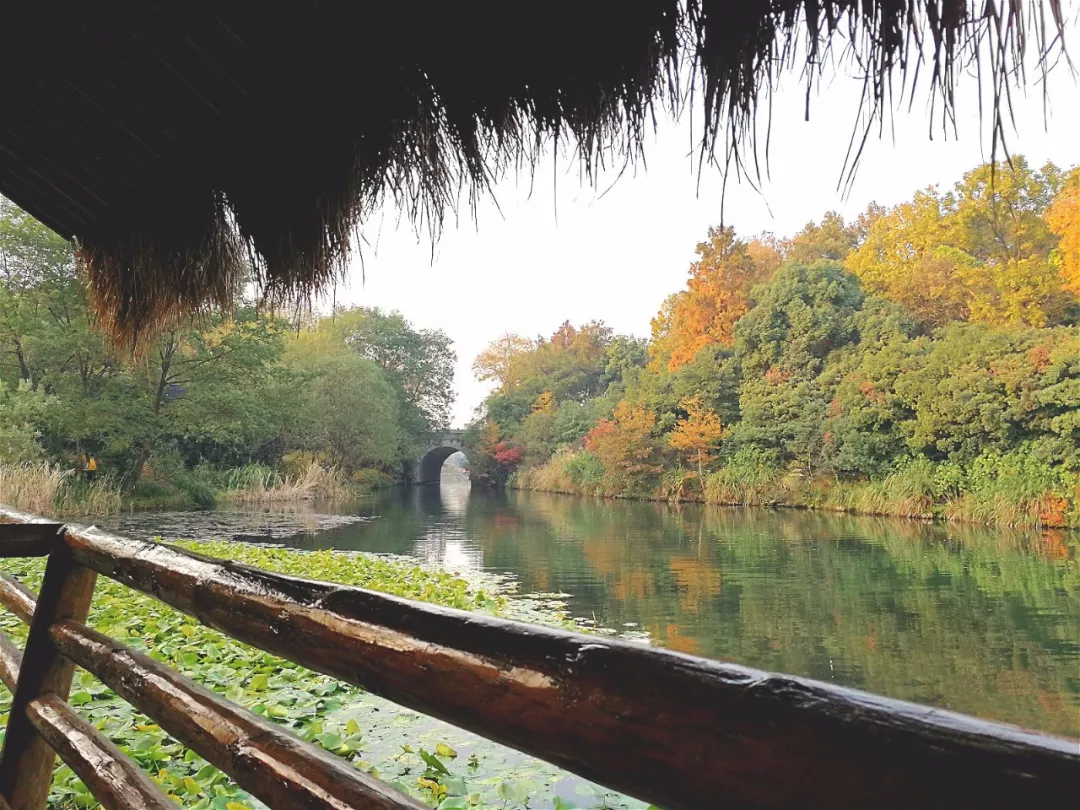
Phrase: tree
(832, 240)
(800, 316)
(494, 364)
(43, 314)
(904, 259)
(983, 252)
(792, 349)
(1063, 219)
(23, 410)
(716, 296)
(420, 361)
(976, 389)
(998, 224)
(625, 356)
(203, 383)
(350, 414)
(624, 445)
(697, 434)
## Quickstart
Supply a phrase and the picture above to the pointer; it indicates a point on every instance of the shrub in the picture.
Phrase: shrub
(370, 478)
(751, 476)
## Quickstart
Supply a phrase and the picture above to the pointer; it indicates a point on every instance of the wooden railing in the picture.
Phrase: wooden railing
(678, 731)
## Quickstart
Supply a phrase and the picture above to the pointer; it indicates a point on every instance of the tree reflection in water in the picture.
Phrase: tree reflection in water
(980, 621)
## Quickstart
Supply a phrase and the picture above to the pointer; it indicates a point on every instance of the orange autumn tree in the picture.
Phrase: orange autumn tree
(716, 296)
(624, 445)
(1063, 217)
(697, 434)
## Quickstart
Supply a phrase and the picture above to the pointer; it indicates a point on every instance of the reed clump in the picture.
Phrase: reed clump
(257, 484)
(52, 491)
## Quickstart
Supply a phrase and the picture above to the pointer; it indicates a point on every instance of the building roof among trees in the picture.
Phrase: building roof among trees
(186, 144)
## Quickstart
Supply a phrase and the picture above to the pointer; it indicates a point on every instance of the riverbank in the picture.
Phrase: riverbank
(1004, 498)
(422, 757)
(52, 491)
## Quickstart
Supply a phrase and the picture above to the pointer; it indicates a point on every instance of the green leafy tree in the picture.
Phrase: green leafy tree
(23, 410)
(349, 414)
(420, 361)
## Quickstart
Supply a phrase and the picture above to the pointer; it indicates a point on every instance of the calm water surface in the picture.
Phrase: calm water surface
(974, 620)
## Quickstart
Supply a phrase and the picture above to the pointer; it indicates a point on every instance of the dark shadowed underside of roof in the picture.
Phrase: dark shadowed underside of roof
(183, 145)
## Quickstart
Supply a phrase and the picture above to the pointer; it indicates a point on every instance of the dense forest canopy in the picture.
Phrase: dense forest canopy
(355, 390)
(921, 359)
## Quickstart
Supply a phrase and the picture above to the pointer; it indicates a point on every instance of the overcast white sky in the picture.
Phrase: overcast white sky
(568, 252)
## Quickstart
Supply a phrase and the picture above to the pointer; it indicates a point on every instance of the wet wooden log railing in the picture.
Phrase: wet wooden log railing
(679, 731)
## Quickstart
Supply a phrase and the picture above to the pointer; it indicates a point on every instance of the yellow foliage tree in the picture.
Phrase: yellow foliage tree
(496, 362)
(1063, 217)
(545, 403)
(697, 435)
(901, 259)
(998, 226)
(983, 252)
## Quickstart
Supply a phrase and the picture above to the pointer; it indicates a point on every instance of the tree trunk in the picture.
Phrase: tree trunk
(24, 368)
(140, 463)
(166, 355)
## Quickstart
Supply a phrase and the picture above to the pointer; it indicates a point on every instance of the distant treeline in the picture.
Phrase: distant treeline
(922, 360)
(241, 400)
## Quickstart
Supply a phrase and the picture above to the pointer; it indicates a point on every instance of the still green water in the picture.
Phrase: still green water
(974, 620)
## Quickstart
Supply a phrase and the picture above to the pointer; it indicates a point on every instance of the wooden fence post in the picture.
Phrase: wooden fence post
(27, 761)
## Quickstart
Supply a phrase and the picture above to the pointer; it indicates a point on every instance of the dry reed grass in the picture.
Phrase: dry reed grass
(314, 483)
(50, 491)
(275, 197)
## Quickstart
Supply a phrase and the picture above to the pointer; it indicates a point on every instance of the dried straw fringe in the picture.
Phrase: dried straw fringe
(733, 53)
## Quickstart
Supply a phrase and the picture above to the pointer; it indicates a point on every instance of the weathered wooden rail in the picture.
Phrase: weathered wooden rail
(679, 731)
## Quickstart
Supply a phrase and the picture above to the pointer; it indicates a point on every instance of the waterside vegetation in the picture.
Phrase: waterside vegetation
(244, 404)
(922, 361)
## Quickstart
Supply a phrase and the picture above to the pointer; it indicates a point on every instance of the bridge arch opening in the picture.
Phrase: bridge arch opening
(428, 469)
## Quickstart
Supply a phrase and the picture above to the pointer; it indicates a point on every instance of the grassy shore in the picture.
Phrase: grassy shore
(52, 491)
(1012, 498)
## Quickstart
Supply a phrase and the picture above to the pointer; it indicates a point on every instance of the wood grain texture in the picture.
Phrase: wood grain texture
(17, 598)
(27, 761)
(116, 781)
(10, 515)
(264, 759)
(679, 731)
(10, 662)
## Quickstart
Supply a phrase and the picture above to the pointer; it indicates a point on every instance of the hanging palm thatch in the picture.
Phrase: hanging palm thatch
(185, 146)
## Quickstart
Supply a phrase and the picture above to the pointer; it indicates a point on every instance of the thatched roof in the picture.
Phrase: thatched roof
(181, 144)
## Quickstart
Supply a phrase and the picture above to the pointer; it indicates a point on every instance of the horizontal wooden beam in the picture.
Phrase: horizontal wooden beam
(9, 514)
(30, 539)
(264, 759)
(17, 598)
(10, 662)
(678, 731)
(116, 781)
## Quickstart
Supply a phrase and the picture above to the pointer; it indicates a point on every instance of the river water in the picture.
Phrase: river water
(978, 621)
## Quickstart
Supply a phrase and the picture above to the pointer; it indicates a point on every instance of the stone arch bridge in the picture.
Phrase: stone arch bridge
(438, 449)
